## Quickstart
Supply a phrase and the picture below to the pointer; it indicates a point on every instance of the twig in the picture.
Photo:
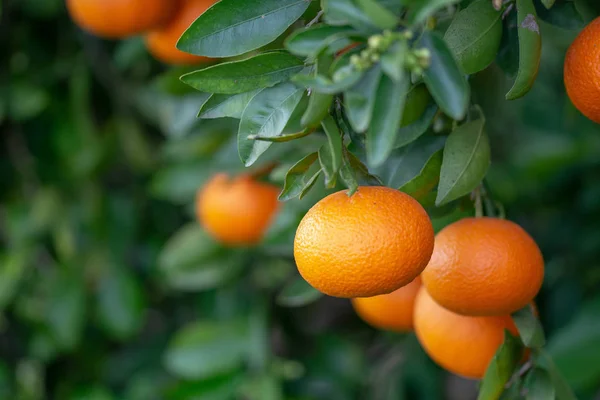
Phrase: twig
(315, 19)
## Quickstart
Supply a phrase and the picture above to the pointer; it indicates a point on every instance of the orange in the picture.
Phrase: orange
(368, 244)
(161, 43)
(484, 266)
(236, 211)
(460, 344)
(582, 73)
(120, 18)
(393, 311)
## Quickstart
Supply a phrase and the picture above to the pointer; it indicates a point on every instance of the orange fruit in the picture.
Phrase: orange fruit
(582, 75)
(368, 244)
(120, 18)
(161, 43)
(236, 211)
(460, 344)
(393, 311)
(484, 266)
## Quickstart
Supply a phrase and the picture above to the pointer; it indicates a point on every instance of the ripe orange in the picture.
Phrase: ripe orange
(393, 311)
(484, 266)
(161, 43)
(236, 211)
(582, 74)
(462, 345)
(120, 18)
(371, 243)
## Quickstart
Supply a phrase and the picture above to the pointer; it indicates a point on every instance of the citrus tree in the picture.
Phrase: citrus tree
(194, 232)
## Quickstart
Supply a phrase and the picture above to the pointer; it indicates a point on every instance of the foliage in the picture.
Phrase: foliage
(108, 290)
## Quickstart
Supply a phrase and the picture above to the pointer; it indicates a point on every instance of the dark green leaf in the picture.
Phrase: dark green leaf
(576, 347)
(508, 55)
(298, 293)
(311, 183)
(361, 171)
(266, 115)
(231, 27)
(588, 9)
(563, 14)
(474, 36)
(393, 61)
(330, 155)
(538, 385)
(412, 132)
(318, 108)
(206, 349)
(466, 161)
(120, 303)
(359, 100)
(501, 368)
(408, 164)
(65, 309)
(530, 49)
(189, 247)
(387, 115)
(424, 182)
(224, 105)
(377, 14)
(309, 42)
(417, 101)
(561, 386)
(300, 176)
(420, 10)
(548, 3)
(12, 269)
(348, 174)
(530, 328)
(444, 79)
(263, 70)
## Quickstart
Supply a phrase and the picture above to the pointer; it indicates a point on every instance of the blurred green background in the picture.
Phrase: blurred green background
(110, 290)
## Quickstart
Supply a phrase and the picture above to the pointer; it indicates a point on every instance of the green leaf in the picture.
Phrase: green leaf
(309, 42)
(561, 387)
(530, 328)
(387, 115)
(563, 15)
(412, 132)
(346, 12)
(417, 101)
(420, 10)
(310, 184)
(393, 61)
(410, 164)
(266, 115)
(298, 293)
(576, 347)
(12, 269)
(224, 105)
(120, 303)
(474, 36)
(300, 176)
(444, 79)
(501, 368)
(263, 70)
(588, 9)
(286, 137)
(508, 55)
(330, 155)
(206, 349)
(530, 49)
(191, 260)
(65, 309)
(379, 16)
(348, 173)
(427, 178)
(548, 3)
(318, 108)
(344, 78)
(538, 385)
(466, 161)
(359, 100)
(230, 27)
